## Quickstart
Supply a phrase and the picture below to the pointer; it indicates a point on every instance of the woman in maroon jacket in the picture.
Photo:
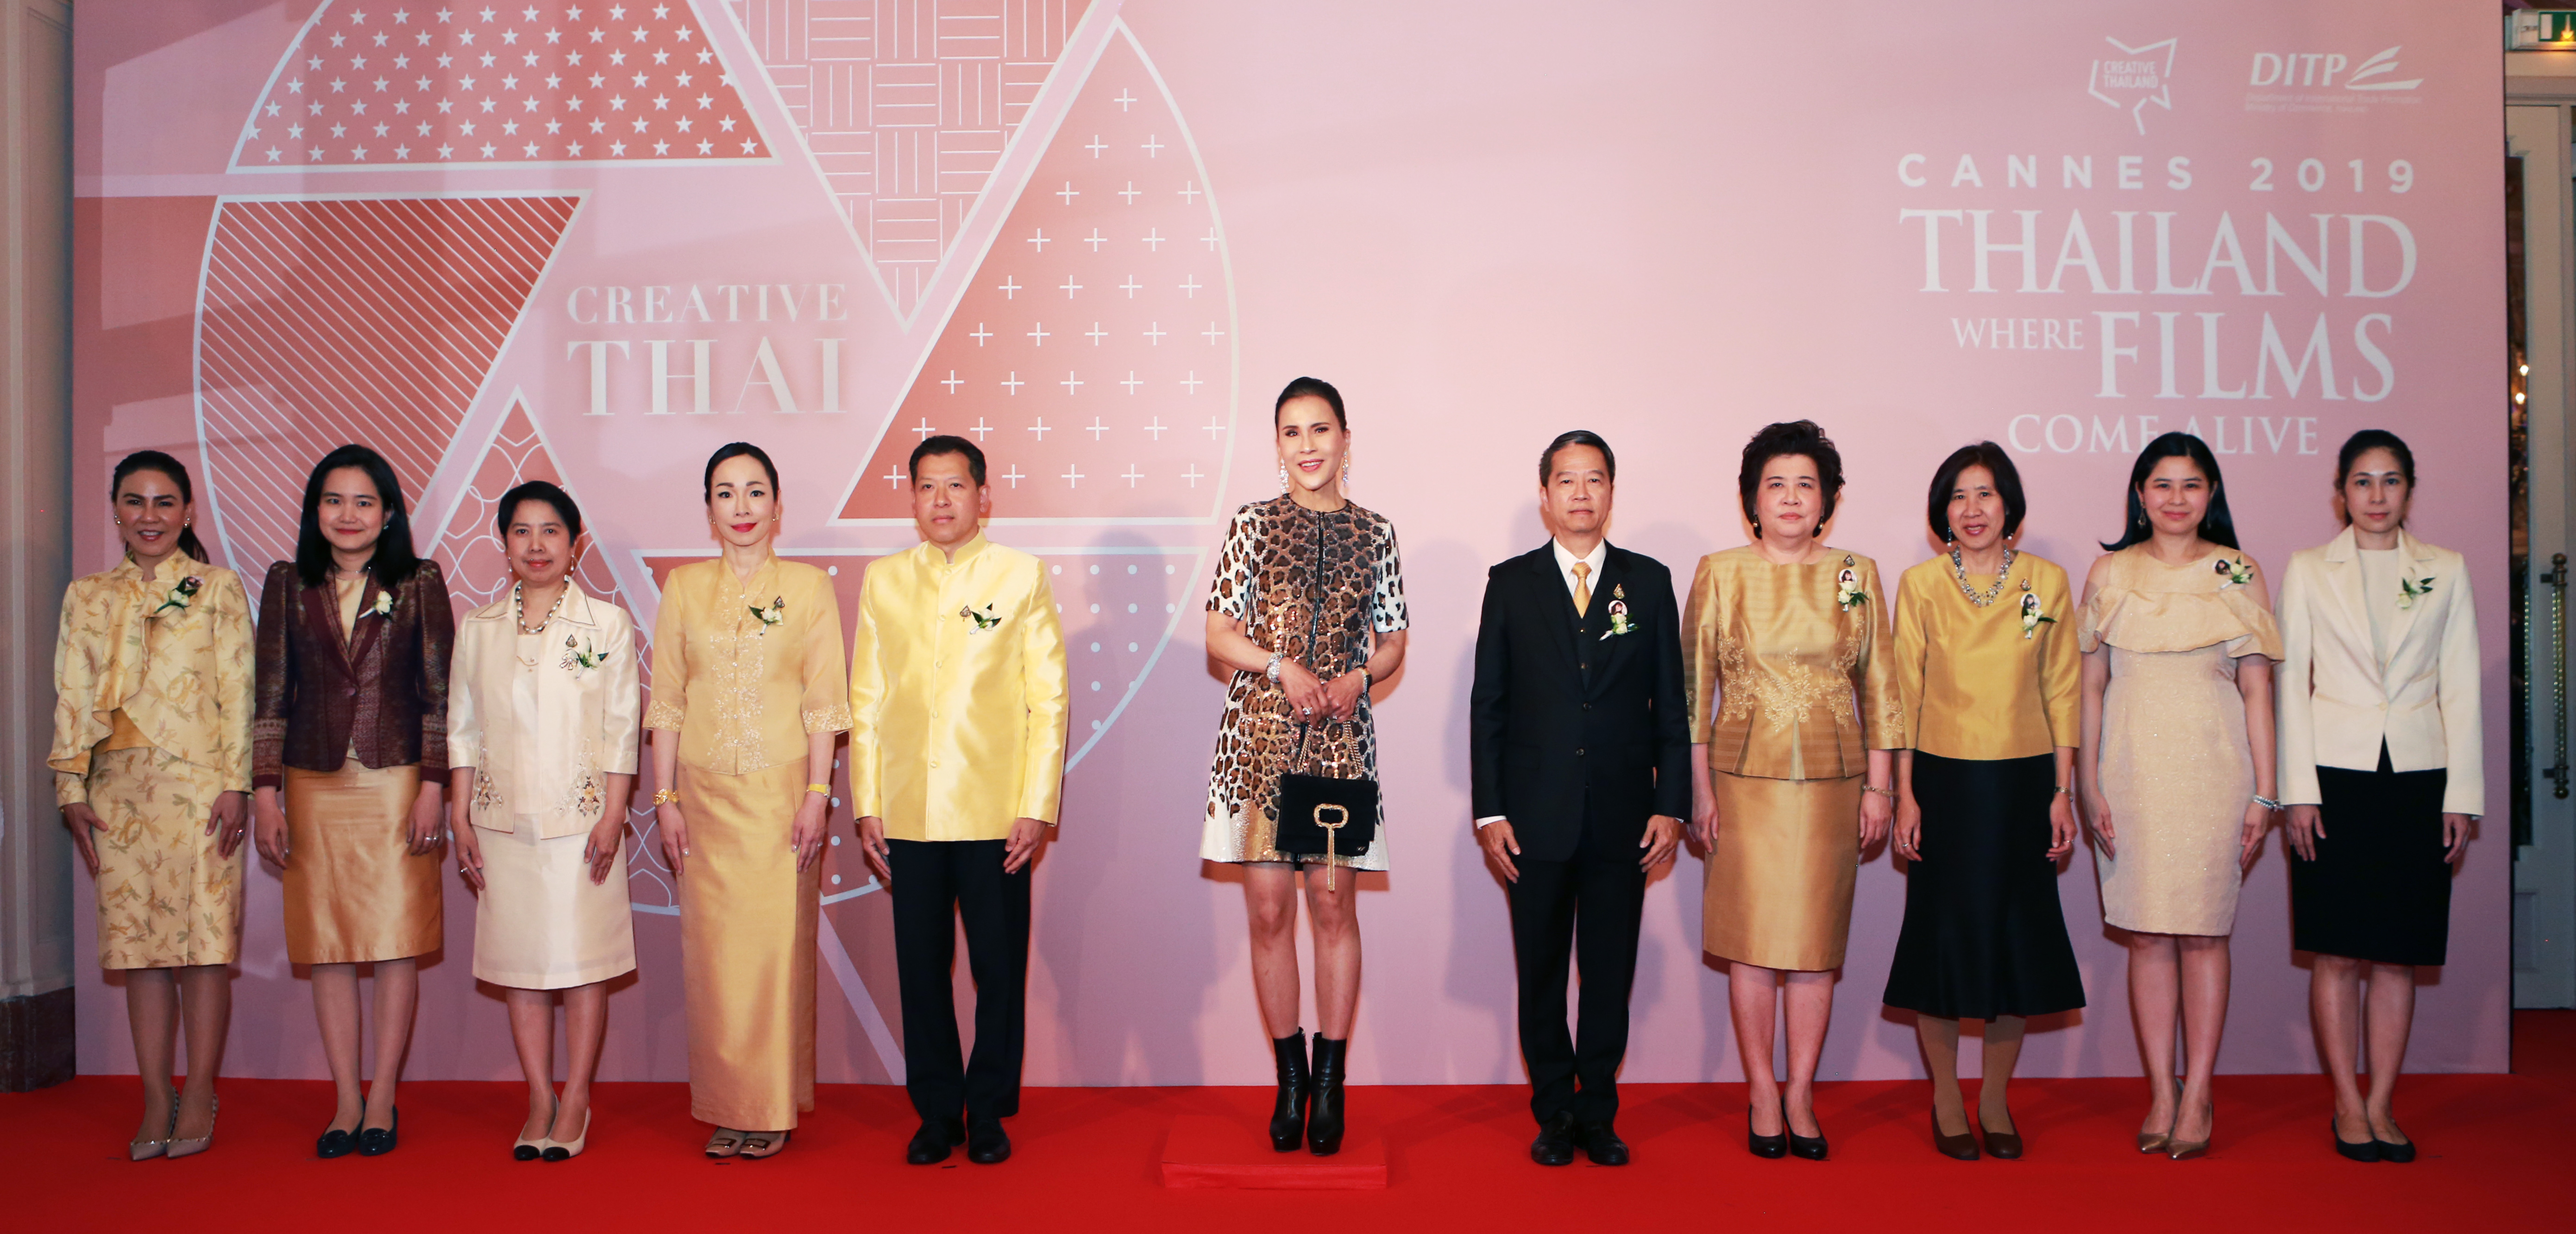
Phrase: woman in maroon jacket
(349, 764)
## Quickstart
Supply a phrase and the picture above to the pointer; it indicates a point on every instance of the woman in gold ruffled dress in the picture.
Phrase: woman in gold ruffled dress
(349, 756)
(1795, 773)
(2177, 767)
(749, 696)
(151, 760)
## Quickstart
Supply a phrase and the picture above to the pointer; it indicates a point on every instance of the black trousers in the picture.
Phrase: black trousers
(1585, 909)
(936, 884)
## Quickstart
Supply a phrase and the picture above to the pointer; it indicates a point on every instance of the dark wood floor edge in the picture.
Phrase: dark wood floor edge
(36, 1047)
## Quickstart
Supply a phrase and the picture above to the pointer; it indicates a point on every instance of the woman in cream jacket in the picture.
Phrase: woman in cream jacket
(544, 715)
(2381, 769)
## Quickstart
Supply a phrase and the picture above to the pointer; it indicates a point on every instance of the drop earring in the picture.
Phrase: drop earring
(1346, 474)
(1283, 476)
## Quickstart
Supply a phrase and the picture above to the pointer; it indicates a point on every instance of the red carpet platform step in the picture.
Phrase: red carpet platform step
(2496, 1157)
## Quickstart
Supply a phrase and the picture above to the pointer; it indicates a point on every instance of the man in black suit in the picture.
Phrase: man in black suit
(1581, 745)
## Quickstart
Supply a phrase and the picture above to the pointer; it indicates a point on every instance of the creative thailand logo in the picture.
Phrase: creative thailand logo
(2140, 75)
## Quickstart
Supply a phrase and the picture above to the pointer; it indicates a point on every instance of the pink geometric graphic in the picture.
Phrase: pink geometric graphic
(498, 83)
(471, 553)
(1093, 355)
(907, 106)
(374, 321)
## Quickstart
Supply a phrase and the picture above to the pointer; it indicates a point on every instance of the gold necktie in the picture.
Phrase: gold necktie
(1582, 589)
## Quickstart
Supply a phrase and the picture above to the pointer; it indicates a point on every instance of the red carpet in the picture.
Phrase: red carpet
(2496, 1153)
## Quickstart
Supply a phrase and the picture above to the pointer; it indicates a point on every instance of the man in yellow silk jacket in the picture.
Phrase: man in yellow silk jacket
(957, 703)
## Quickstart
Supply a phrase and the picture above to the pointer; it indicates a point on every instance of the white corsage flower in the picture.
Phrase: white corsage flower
(384, 605)
(1847, 592)
(772, 615)
(582, 658)
(1620, 622)
(984, 619)
(180, 596)
(2237, 573)
(2409, 589)
(2031, 617)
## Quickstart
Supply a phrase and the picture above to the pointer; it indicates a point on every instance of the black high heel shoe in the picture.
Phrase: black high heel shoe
(377, 1141)
(1324, 1116)
(1288, 1116)
(2366, 1150)
(1767, 1147)
(1803, 1147)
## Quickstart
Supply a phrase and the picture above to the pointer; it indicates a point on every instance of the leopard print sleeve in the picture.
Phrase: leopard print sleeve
(1238, 565)
(1387, 613)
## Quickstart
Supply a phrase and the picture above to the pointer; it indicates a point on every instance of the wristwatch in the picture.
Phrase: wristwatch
(1274, 668)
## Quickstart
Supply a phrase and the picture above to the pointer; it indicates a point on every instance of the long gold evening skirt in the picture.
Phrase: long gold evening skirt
(747, 949)
(165, 896)
(1779, 888)
(354, 891)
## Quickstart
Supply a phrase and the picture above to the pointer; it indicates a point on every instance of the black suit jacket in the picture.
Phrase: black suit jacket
(1566, 718)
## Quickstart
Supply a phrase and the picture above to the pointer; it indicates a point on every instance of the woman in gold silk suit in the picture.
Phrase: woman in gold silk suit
(349, 762)
(749, 696)
(151, 761)
(2177, 767)
(1795, 769)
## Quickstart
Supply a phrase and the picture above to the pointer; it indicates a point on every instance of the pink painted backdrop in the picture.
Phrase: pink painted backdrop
(1099, 235)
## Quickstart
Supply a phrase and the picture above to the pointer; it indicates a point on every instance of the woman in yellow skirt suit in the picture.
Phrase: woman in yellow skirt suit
(1795, 774)
(151, 753)
(349, 758)
(749, 695)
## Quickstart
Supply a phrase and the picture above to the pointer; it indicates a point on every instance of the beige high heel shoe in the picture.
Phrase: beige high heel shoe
(145, 1150)
(529, 1149)
(566, 1150)
(196, 1144)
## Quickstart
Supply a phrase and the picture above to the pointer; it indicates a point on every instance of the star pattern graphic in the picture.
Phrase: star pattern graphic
(492, 83)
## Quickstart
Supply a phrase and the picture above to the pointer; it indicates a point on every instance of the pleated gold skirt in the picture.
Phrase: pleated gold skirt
(166, 897)
(354, 892)
(747, 922)
(1779, 889)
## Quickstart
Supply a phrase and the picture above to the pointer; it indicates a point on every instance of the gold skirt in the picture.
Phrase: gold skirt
(165, 896)
(747, 949)
(1779, 889)
(354, 893)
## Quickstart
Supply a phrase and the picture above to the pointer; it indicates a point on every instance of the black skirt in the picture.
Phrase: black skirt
(2379, 889)
(1983, 934)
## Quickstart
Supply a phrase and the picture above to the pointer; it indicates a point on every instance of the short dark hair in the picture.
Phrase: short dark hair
(154, 460)
(1998, 464)
(394, 560)
(737, 449)
(1800, 437)
(537, 490)
(2215, 524)
(1576, 437)
(1311, 387)
(945, 444)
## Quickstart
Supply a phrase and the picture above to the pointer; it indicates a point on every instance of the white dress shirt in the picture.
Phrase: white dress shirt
(1565, 561)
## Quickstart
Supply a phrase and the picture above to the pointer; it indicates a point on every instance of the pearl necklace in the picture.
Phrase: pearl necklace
(519, 613)
(1959, 570)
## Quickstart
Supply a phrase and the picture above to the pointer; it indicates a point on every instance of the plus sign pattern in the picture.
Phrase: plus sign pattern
(325, 322)
(1093, 355)
(478, 571)
(907, 106)
(494, 83)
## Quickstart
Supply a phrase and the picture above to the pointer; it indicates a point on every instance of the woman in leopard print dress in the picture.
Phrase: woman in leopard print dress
(1308, 610)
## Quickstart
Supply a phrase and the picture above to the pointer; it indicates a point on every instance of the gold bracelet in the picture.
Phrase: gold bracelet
(824, 789)
(665, 796)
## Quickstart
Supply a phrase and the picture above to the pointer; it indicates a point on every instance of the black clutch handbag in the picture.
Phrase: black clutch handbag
(1322, 816)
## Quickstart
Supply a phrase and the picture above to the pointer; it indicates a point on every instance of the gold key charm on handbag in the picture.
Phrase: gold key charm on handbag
(1332, 832)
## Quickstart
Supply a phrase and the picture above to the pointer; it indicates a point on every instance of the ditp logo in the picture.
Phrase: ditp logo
(2321, 68)
(2136, 77)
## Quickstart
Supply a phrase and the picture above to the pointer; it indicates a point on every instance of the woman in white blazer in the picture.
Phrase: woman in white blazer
(2381, 769)
(543, 717)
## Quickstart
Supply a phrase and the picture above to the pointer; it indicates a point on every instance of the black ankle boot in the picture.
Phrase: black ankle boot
(1324, 1121)
(1288, 1117)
